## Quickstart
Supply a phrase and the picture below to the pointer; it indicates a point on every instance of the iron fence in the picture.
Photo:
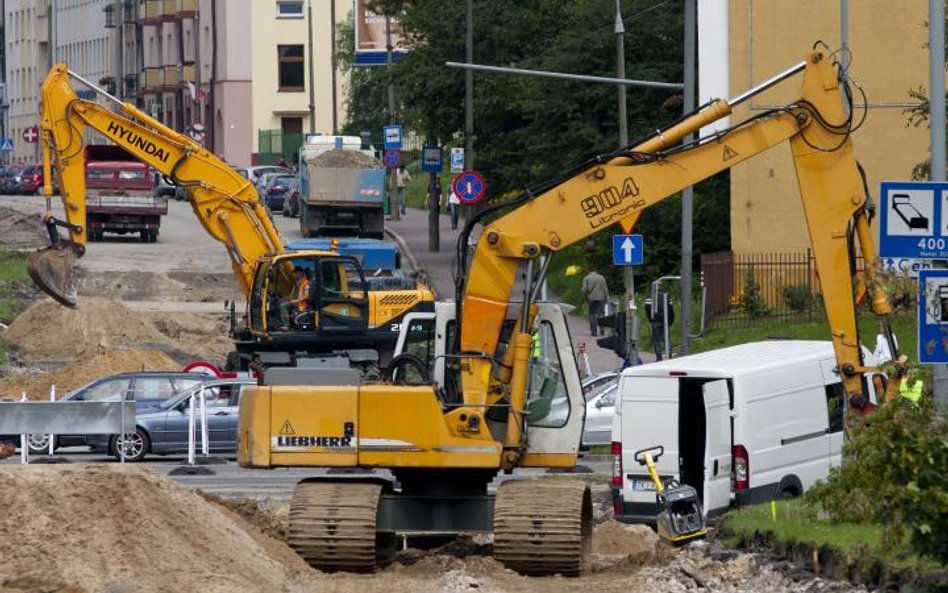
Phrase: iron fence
(273, 145)
(751, 288)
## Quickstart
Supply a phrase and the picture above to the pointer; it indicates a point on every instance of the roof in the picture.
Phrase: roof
(743, 359)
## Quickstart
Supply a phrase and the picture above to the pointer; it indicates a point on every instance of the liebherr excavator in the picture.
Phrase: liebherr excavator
(496, 405)
(343, 318)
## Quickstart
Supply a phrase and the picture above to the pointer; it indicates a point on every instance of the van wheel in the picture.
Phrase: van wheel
(788, 493)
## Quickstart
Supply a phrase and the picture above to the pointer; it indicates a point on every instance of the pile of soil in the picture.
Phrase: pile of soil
(21, 231)
(125, 528)
(345, 159)
(47, 331)
(87, 367)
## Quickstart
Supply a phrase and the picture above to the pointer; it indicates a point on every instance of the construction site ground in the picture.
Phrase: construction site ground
(109, 527)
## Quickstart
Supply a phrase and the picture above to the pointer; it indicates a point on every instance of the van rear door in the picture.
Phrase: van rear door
(717, 449)
(649, 418)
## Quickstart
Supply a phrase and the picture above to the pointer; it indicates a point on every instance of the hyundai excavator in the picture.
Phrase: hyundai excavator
(344, 321)
(491, 403)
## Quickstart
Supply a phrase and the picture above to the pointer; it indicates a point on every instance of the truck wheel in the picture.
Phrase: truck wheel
(144, 236)
(153, 237)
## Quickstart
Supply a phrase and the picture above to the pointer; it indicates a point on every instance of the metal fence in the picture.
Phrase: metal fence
(752, 288)
(273, 145)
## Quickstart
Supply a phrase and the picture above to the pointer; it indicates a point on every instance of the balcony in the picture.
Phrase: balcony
(149, 12)
(152, 79)
(189, 73)
(172, 76)
(177, 9)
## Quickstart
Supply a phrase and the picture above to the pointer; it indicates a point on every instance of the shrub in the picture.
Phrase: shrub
(797, 297)
(753, 302)
(894, 473)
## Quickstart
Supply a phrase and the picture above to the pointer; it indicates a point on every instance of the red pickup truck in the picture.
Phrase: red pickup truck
(120, 195)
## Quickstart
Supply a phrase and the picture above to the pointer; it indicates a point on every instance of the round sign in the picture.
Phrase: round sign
(392, 158)
(203, 368)
(197, 132)
(469, 187)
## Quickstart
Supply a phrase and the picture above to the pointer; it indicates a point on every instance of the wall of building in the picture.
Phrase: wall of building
(233, 131)
(27, 34)
(888, 59)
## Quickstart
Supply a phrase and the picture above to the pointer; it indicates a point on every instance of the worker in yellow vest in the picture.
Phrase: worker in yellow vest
(911, 389)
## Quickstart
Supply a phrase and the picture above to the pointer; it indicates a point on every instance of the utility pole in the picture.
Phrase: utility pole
(631, 320)
(312, 85)
(936, 102)
(468, 92)
(434, 206)
(332, 42)
(394, 199)
(687, 196)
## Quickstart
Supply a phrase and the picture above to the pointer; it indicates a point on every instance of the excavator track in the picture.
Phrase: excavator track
(543, 527)
(332, 525)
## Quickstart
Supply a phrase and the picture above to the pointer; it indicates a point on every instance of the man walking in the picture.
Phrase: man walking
(596, 293)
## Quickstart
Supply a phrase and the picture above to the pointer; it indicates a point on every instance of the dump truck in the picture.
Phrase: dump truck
(120, 195)
(342, 189)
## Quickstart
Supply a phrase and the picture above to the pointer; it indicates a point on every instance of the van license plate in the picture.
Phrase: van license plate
(643, 485)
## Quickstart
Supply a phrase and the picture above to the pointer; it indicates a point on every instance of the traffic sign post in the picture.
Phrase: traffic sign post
(469, 187)
(627, 250)
(392, 158)
(933, 316)
(913, 220)
(393, 137)
(432, 159)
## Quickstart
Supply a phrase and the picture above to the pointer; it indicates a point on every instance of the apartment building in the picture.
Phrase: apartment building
(27, 33)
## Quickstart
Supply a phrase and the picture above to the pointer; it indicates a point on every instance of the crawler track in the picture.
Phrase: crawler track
(543, 527)
(332, 525)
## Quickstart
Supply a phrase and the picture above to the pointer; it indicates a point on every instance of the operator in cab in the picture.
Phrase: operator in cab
(298, 301)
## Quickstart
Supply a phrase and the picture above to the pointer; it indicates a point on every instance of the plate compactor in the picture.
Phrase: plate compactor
(679, 516)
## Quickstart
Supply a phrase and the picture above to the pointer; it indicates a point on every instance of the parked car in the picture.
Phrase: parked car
(31, 179)
(254, 173)
(164, 187)
(594, 384)
(291, 207)
(278, 187)
(264, 179)
(163, 430)
(147, 389)
(9, 179)
(600, 408)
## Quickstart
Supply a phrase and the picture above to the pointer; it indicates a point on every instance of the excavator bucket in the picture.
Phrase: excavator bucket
(53, 271)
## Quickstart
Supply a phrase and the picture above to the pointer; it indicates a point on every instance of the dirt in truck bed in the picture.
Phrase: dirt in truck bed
(345, 159)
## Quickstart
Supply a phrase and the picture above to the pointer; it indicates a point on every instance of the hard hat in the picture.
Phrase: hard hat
(573, 270)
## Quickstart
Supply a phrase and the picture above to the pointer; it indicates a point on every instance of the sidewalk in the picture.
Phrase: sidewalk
(411, 232)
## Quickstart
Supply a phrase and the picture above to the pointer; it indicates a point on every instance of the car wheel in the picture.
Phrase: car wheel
(38, 444)
(136, 445)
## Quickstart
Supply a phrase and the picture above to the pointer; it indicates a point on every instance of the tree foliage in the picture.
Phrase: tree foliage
(529, 130)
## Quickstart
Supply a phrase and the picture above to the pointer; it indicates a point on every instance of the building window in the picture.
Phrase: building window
(290, 10)
(291, 67)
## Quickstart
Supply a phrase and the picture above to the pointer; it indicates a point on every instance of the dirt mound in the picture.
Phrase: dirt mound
(124, 528)
(345, 159)
(21, 231)
(49, 331)
(87, 367)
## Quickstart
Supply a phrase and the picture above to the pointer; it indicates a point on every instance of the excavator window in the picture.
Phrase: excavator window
(547, 401)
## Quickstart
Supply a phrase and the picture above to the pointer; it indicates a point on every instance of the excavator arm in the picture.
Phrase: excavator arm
(223, 200)
(599, 194)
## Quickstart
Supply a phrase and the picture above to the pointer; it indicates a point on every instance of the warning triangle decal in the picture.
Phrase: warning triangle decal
(729, 153)
(287, 429)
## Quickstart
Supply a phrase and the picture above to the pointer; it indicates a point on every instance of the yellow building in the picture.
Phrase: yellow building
(888, 41)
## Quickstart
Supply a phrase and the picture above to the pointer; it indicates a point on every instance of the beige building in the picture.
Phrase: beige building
(889, 58)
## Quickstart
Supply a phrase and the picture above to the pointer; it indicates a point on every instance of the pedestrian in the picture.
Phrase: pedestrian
(656, 316)
(597, 293)
(454, 208)
(402, 180)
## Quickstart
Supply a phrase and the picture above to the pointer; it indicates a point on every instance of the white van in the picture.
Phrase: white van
(742, 424)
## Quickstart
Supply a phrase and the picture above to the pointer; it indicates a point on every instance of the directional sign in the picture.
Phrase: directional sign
(469, 187)
(905, 266)
(627, 250)
(393, 137)
(6, 144)
(933, 316)
(457, 160)
(914, 220)
(31, 135)
(392, 158)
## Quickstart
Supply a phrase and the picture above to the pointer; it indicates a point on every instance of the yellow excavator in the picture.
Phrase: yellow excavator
(484, 401)
(346, 319)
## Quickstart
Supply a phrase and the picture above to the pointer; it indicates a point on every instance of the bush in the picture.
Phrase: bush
(753, 302)
(893, 473)
(797, 297)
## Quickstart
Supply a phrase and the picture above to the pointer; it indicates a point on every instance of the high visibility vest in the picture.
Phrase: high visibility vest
(535, 345)
(913, 392)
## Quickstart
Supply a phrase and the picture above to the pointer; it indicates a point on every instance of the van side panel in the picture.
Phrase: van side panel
(782, 422)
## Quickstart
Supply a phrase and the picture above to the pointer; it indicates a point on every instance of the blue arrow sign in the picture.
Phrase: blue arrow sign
(627, 250)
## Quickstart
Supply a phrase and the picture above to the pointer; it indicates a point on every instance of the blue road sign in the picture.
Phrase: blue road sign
(457, 159)
(913, 220)
(393, 137)
(469, 187)
(627, 250)
(432, 159)
(933, 316)
(6, 144)
(392, 158)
